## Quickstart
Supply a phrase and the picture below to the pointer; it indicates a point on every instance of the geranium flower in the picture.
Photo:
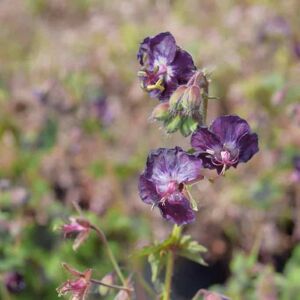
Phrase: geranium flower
(226, 143)
(79, 227)
(163, 183)
(164, 65)
(77, 288)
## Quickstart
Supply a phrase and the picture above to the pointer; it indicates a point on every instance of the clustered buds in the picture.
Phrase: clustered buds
(183, 110)
(168, 73)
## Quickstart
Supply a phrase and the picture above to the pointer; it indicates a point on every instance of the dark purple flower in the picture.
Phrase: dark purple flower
(164, 65)
(163, 183)
(227, 142)
(14, 282)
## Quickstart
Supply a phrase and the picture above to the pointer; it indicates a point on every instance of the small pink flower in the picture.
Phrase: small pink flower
(78, 288)
(77, 226)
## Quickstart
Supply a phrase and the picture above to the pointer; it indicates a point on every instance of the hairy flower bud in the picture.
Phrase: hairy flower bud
(160, 112)
(188, 125)
(191, 100)
(176, 98)
(173, 124)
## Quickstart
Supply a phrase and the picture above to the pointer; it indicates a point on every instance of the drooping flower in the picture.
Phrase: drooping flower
(77, 288)
(165, 66)
(164, 180)
(79, 227)
(14, 282)
(226, 143)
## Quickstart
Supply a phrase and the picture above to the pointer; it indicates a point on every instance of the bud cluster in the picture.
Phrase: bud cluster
(183, 110)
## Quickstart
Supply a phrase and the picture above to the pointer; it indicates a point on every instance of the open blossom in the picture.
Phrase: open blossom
(79, 227)
(226, 143)
(77, 288)
(163, 183)
(164, 65)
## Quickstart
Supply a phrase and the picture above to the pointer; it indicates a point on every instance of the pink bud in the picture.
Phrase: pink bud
(160, 112)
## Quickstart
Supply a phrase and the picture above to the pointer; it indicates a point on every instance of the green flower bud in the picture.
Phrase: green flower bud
(161, 112)
(175, 98)
(191, 100)
(188, 125)
(173, 124)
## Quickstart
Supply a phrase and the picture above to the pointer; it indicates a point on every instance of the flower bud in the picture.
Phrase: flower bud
(175, 98)
(173, 124)
(160, 112)
(191, 100)
(188, 125)
(108, 279)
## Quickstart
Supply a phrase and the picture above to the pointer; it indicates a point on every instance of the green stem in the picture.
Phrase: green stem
(176, 233)
(169, 273)
(113, 286)
(203, 83)
(203, 109)
(111, 256)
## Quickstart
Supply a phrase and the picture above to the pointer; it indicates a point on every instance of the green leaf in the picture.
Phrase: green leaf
(156, 265)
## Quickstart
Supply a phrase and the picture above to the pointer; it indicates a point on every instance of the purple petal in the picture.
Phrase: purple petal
(163, 45)
(183, 66)
(229, 128)
(147, 191)
(172, 165)
(144, 48)
(170, 87)
(204, 139)
(177, 209)
(188, 167)
(248, 146)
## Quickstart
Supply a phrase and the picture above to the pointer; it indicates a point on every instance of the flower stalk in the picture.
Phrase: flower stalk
(169, 273)
(110, 254)
(170, 264)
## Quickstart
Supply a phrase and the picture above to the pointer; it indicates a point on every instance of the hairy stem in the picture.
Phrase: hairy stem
(176, 232)
(169, 273)
(204, 103)
(111, 285)
(111, 256)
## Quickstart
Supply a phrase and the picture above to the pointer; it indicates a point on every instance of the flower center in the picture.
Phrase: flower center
(225, 157)
(173, 187)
